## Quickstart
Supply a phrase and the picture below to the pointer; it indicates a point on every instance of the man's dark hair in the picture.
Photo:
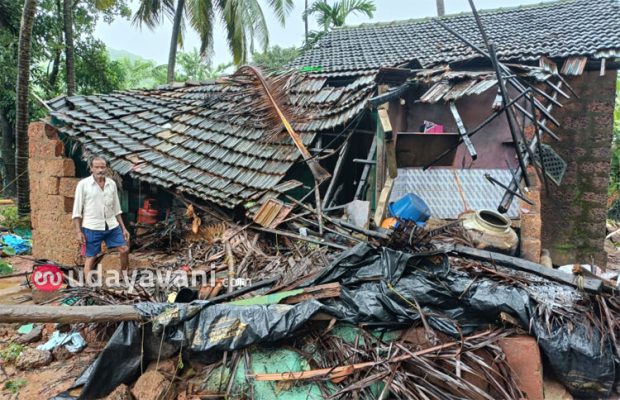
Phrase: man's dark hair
(97, 157)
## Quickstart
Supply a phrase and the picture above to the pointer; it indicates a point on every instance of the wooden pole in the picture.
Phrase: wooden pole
(10, 313)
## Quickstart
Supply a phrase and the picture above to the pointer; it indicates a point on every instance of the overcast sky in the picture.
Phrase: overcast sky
(154, 44)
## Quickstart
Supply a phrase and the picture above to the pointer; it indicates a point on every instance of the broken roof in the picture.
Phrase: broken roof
(556, 29)
(206, 139)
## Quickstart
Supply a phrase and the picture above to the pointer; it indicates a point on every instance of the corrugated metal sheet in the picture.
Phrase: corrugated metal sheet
(440, 189)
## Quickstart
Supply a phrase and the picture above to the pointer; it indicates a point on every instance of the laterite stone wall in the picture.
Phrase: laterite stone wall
(574, 214)
(52, 188)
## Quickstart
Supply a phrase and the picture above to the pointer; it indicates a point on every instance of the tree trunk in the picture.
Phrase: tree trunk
(69, 58)
(21, 115)
(306, 22)
(441, 9)
(55, 68)
(8, 156)
(174, 40)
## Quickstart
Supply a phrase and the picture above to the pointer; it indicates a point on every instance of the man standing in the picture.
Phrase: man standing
(97, 215)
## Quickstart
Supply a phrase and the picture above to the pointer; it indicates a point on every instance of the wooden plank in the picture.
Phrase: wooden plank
(390, 142)
(380, 165)
(327, 199)
(587, 283)
(383, 200)
(327, 291)
(366, 170)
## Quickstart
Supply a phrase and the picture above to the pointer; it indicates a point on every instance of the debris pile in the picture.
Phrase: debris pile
(415, 312)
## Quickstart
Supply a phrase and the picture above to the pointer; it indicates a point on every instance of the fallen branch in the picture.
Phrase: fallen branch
(338, 372)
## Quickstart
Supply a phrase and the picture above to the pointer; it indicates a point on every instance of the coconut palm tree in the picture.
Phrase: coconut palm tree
(69, 57)
(441, 9)
(243, 21)
(331, 16)
(21, 114)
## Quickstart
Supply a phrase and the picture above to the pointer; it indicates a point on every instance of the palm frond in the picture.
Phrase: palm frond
(281, 9)
(152, 12)
(202, 17)
(254, 20)
(324, 13)
(352, 7)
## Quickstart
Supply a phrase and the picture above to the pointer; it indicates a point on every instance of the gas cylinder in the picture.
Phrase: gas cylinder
(147, 214)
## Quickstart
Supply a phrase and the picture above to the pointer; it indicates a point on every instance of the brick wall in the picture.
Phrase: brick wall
(573, 215)
(52, 187)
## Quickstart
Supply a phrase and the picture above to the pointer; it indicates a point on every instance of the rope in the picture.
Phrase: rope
(460, 189)
(14, 180)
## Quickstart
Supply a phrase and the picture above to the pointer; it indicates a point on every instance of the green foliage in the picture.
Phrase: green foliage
(194, 67)
(10, 353)
(5, 268)
(13, 385)
(138, 73)
(94, 71)
(614, 210)
(10, 219)
(332, 16)
(143, 74)
(275, 57)
(243, 21)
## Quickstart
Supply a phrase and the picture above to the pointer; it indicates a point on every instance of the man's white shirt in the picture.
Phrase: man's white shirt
(96, 206)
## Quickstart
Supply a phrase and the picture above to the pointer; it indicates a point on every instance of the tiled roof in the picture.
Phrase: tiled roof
(206, 139)
(554, 29)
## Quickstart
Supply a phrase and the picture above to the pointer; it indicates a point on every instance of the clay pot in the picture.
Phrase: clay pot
(491, 231)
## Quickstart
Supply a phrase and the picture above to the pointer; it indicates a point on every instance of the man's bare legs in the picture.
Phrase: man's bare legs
(88, 267)
(124, 255)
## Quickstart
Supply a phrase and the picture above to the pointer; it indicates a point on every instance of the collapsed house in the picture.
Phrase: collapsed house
(368, 115)
(208, 140)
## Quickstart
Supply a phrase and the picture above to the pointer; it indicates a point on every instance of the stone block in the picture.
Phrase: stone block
(52, 185)
(32, 358)
(68, 204)
(51, 132)
(602, 153)
(54, 204)
(600, 168)
(523, 356)
(598, 214)
(35, 166)
(61, 167)
(67, 186)
(121, 392)
(36, 131)
(153, 385)
(595, 197)
(530, 249)
(531, 226)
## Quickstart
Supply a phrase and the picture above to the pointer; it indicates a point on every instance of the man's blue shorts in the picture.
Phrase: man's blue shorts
(112, 237)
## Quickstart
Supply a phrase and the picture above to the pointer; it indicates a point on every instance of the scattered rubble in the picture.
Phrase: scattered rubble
(271, 283)
(33, 358)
